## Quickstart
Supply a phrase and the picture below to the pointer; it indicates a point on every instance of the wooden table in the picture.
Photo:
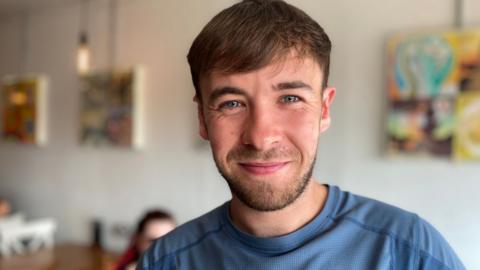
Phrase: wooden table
(61, 257)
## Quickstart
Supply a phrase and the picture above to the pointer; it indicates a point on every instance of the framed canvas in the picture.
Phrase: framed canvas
(110, 108)
(426, 73)
(23, 107)
(467, 139)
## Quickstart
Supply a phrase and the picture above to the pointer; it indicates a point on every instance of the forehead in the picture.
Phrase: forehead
(288, 68)
(157, 228)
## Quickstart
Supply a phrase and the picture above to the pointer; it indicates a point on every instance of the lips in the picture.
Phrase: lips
(263, 168)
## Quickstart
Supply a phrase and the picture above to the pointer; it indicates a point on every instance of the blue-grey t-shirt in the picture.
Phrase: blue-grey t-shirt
(351, 232)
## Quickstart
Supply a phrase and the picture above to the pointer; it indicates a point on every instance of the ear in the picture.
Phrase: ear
(327, 99)
(202, 128)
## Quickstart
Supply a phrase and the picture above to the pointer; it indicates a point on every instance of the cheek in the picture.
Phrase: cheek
(303, 129)
(224, 135)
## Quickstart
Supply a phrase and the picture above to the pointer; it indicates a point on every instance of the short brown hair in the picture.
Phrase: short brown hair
(251, 34)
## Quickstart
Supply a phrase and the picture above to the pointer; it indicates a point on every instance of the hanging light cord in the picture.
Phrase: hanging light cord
(113, 34)
(84, 18)
(459, 14)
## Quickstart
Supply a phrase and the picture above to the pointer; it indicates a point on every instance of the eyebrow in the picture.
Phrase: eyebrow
(292, 85)
(218, 92)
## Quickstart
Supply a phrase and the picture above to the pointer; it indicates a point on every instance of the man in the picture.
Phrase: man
(260, 70)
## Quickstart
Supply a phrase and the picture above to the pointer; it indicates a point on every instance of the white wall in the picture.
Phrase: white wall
(75, 184)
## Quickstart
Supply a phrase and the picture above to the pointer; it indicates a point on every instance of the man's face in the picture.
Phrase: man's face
(263, 127)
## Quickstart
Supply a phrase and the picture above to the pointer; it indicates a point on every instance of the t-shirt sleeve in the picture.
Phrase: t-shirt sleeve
(143, 263)
(153, 259)
(434, 252)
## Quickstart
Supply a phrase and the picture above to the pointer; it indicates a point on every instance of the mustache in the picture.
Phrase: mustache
(251, 154)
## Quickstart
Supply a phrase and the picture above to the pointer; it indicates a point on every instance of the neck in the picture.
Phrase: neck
(280, 222)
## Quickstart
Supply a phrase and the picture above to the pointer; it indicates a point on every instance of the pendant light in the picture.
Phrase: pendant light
(83, 51)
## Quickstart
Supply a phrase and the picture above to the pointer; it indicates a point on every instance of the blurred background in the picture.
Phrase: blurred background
(172, 168)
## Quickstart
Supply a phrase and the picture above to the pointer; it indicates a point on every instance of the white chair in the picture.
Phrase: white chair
(12, 220)
(20, 236)
(7, 223)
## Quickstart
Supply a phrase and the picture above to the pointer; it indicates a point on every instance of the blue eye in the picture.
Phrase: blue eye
(290, 99)
(231, 104)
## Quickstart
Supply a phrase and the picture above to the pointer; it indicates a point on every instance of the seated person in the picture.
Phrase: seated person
(153, 224)
(5, 208)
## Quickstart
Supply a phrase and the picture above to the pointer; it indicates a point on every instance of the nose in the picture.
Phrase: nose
(262, 129)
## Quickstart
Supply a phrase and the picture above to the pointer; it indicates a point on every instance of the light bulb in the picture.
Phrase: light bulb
(83, 55)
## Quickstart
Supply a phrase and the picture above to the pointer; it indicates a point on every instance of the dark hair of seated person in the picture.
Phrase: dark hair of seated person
(153, 224)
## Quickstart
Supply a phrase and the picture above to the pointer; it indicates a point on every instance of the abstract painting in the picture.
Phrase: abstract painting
(422, 127)
(22, 103)
(467, 137)
(109, 108)
(426, 73)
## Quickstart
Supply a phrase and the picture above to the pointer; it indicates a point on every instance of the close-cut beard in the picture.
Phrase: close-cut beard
(262, 196)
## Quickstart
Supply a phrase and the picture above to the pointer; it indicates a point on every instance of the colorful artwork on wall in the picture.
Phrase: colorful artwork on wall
(422, 127)
(427, 74)
(110, 108)
(467, 139)
(22, 103)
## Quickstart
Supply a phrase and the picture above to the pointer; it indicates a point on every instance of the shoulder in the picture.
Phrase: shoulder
(372, 214)
(407, 230)
(183, 238)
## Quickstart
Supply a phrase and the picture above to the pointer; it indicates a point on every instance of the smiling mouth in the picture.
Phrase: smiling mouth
(262, 168)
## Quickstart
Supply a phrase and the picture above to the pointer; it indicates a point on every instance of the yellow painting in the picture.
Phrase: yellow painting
(467, 137)
(22, 108)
